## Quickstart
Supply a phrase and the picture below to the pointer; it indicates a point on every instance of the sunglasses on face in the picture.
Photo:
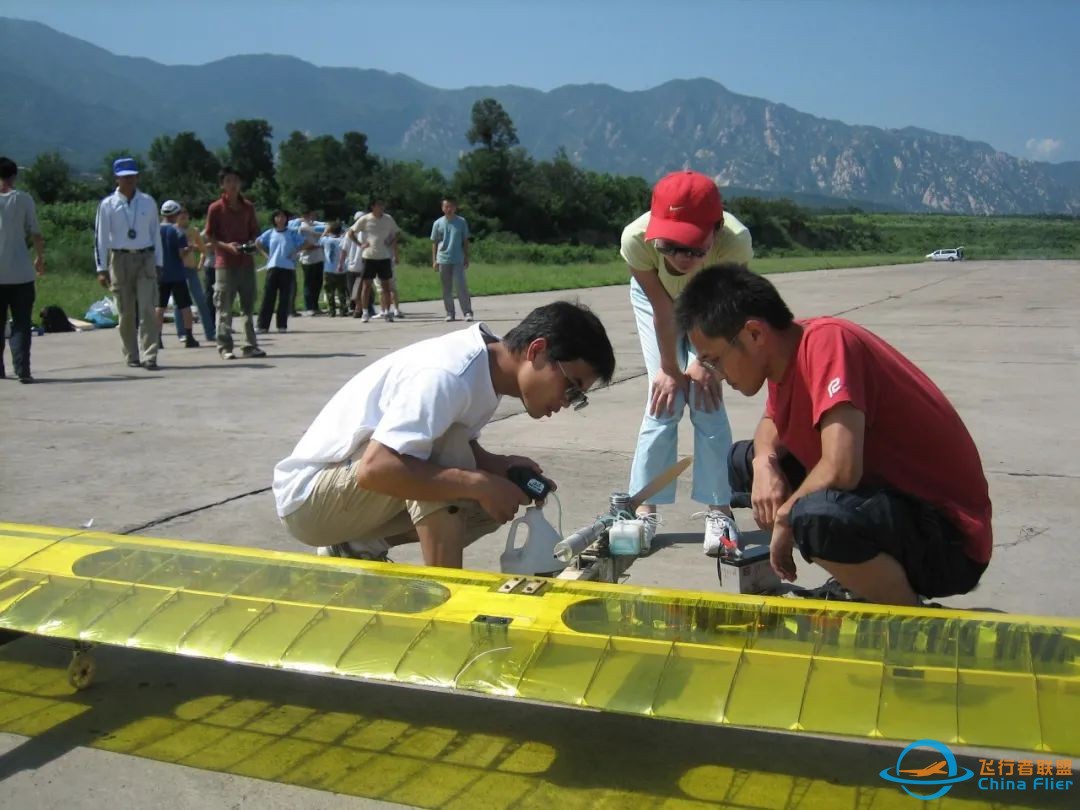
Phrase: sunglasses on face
(678, 251)
(574, 395)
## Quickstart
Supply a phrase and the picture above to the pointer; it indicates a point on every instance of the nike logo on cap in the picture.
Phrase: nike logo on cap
(675, 208)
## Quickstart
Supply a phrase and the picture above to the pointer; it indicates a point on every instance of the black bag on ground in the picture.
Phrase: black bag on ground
(54, 319)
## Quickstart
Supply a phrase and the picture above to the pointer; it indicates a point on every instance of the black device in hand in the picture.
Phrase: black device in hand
(532, 484)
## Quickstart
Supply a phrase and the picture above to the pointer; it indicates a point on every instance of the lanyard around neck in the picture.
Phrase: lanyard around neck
(134, 201)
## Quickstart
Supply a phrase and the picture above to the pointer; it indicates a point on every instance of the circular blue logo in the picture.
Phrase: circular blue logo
(943, 772)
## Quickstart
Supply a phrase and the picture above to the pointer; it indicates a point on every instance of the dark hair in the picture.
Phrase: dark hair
(226, 171)
(720, 299)
(572, 332)
(377, 201)
(8, 169)
(450, 199)
(273, 216)
(335, 227)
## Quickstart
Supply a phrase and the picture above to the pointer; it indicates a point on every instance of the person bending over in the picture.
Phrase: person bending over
(685, 229)
(395, 457)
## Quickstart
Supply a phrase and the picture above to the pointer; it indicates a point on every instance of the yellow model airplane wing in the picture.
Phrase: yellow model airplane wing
(859, 670)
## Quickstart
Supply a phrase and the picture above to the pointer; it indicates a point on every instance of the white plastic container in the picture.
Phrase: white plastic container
(626, 538)
(537, 554)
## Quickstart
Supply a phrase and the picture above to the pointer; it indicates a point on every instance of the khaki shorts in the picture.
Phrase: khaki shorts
(338, 510)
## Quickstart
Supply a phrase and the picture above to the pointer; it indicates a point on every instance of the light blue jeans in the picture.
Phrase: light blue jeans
(657, 445)
(198, 296)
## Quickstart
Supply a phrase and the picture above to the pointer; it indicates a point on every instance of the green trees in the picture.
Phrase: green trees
(250, 149)
(49, 178)
(491, 126)
(488, 179)
(413, 194)
(780, 226)
(311, 174)
(185, 169)
(337, 177)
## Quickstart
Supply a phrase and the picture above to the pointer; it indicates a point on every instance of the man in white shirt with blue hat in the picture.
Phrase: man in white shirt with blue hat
(127, 253)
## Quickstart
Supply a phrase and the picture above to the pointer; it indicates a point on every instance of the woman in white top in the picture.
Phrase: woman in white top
(685, 230)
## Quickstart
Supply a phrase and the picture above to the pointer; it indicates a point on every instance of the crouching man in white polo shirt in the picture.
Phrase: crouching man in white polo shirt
(395, 457)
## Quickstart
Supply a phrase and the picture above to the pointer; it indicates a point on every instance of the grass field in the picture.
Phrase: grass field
(76, 291)
(982, 237)
(514, 267)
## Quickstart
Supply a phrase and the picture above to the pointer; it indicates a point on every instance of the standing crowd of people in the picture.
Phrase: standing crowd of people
(149, 257)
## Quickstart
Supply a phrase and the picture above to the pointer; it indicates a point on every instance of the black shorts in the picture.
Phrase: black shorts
(383, 268)
(178, 290)
(854, 526)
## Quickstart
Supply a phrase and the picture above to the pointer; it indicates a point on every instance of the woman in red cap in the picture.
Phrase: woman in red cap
(685, 230)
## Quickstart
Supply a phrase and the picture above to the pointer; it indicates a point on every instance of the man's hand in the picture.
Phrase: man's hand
(103, 280)
(707, 392)
(39, 265)
(769, 491)
(781, 547)
(500, 497)
(665, 388)
(498, 464)
(231, 247)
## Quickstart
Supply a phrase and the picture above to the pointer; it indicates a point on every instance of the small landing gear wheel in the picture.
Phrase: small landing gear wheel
(81, 669)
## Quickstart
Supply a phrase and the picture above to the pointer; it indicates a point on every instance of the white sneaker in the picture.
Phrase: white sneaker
(366, 318)
(721, 533)
(396, 313)
(376, 550)
(389, 317)
(450, 318)
(468, 316)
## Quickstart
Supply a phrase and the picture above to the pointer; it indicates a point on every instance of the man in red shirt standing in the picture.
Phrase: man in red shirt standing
(231, 227)
(859, 460)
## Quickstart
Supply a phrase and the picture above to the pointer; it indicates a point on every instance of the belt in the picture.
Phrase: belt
(133, 250)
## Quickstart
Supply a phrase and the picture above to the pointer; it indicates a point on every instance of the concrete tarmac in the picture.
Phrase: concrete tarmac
(187, 453)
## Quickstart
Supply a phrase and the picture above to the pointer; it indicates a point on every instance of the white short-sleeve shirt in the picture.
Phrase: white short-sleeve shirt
(405, 401)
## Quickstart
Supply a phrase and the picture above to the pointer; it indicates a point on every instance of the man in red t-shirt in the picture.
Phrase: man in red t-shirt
(859, 460)
(231, 228)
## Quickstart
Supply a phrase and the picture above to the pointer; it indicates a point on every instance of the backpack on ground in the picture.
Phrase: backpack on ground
(54, 319)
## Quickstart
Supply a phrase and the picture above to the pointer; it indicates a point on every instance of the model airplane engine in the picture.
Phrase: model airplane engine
(619, 531)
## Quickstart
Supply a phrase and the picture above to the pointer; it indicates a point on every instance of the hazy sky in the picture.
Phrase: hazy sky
(1001, 72)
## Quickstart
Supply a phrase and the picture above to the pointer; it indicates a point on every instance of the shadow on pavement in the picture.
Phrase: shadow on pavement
(427, 748)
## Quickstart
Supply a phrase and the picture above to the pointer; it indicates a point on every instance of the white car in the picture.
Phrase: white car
(946, 255)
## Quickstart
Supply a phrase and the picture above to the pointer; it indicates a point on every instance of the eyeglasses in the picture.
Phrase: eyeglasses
(678, 251)
(716, 366)
(574, 395)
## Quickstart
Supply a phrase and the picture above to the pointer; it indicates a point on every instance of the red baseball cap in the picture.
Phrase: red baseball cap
(686, 206)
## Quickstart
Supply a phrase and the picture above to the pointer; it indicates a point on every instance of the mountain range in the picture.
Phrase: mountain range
(62, 93)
